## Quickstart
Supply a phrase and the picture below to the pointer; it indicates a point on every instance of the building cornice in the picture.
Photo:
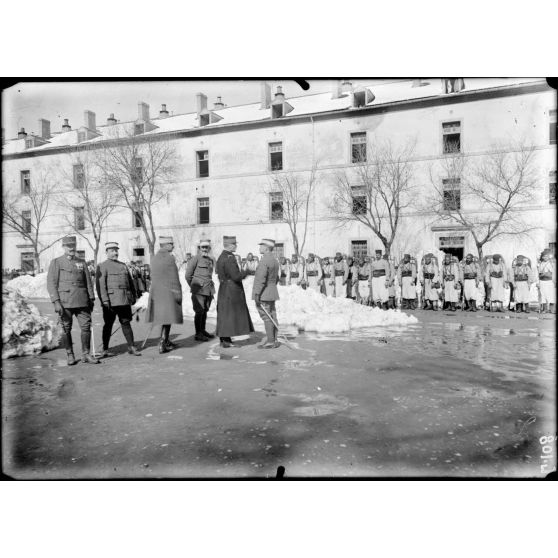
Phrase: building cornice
(407, 104)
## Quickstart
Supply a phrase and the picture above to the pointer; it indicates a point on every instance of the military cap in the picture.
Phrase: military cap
(111, 245)
(204, 242)
(268, 242)
(69, 241)
(229, 240)
(166, 240)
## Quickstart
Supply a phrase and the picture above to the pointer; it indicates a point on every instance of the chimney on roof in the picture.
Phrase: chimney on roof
(111, 120)
(279, 95)
(163, 113)
(265, 95)
(22, 134)
(336, 89)
(219, 104)
(143, 111)
(66, 127)
(44, 128)
(89, 120)
(201, 102)
(346, 86)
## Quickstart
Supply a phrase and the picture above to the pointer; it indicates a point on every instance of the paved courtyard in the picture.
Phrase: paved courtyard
(458, 394)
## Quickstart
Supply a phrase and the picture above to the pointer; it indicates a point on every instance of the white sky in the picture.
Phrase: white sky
(24, 103)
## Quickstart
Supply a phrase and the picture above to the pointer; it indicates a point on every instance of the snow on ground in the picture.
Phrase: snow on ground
(24, 330)
(29, 286)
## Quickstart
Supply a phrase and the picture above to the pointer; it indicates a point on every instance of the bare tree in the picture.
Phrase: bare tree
(93, 199)
(141, 168)
(377, 190)
(26, 213)
(486, 196)
(294, 194)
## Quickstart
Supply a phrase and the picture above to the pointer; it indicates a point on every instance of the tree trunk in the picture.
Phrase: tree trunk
(95, 255)
(479, 250)
(151, 247)
(37, 259)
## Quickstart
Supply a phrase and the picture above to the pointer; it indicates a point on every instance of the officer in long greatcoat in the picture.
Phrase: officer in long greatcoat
(70, 288)
(117, 292)
(265, 293)
(165, 295)
(199, 276)
(233, 316)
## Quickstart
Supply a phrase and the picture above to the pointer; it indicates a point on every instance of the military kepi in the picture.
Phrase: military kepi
(166, 240)
(111, 245)
(229, 239)
(69, 241)
(268, 242)
(204, 242)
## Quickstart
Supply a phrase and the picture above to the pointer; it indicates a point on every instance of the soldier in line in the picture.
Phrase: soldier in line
(313, 273)
(547, 282)
(71, 290)
(497, 278)
(451, 281)
(522, 277)
(392, 287)
(296, 271)
(117, 293)
(407, 276)
(363, 276)
(430, 280)
(327, 278)
(284, 272)
(380, 280)
(165, 295)
(233, 316)
(264, 292)
(199, 276)
(471, 280)
(340, 268)
(348, 277)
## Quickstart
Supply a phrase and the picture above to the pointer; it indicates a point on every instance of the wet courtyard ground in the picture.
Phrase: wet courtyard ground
(458, 394)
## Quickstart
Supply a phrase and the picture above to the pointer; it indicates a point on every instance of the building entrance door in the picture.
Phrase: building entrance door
(454, 245)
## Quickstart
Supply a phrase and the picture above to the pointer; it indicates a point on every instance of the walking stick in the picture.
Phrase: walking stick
(147, 336)
(93, 339)
(276, 326)
(119, 327)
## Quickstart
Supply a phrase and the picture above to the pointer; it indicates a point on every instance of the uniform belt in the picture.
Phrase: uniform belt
(449, 277)
(249, 272)
(497, 274)
(470, 276)
(294, 274)
(521, 277)
(545, 277)
(339, 272)
(283, 274)
(327, 275)
(429, 275)
(362, 277)
(378, 272)
(311, 273)
(406, 274)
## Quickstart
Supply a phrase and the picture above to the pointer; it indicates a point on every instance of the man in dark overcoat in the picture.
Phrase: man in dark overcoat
(199, 276)
(117, 291)
(233, 316)
(165, 294)
(70, 288)
(265, 292)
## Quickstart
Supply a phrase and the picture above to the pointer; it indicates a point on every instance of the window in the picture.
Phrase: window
(139, 253)
(276, 206)
(139, 129)
(552, 127)
(279, 250)
(25, 182)
(137, 215)
(203, 163)
(26, 221)
(358, 147)
(203, 211)
(451, 242)
(82, 136)
(79, 218)
(359, 248)
(80, 254)
(29, 143)
(27, 262)
(79, 177)
(359, 200)
(276, 156)
(137, 170)
(451, 193)
(451, 136)
(552, 188)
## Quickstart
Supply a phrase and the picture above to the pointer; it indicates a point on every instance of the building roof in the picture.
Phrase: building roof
(384, 94)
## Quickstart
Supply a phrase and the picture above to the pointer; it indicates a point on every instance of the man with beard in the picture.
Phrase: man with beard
(165, 295)
(497, 278)
(471, 278)
(313, 273)
(547, 282)
(117, 291)
(340, 268)
(407, 279)
(451, 279)
(233, 316)
(199, 276)
(71, 290)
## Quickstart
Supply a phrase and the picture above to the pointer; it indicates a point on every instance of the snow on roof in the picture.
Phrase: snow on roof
(384, 93)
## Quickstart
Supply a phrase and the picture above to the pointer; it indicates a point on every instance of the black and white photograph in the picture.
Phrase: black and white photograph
(253, 278)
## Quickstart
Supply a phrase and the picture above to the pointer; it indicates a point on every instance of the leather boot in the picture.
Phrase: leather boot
(473, 304)
(133, 351)
(526, 308)
(203, 330)
(71, 358)
(87, 358)
(163, 346)
(518, 308)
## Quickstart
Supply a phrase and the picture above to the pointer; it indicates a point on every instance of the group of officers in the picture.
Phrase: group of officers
(372, 282)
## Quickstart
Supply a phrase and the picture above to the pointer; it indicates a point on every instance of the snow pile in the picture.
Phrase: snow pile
(141, 303)
(29, 286)
(24, 330)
